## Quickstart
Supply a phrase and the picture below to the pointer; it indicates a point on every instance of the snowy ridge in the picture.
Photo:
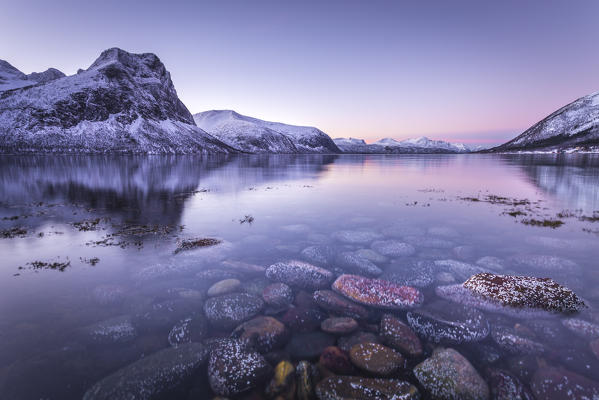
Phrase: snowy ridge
(571, 128)
(392, 146)
(258, 136)
(123, 102)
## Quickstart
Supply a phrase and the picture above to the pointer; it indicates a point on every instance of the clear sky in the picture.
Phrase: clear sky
(472, 71)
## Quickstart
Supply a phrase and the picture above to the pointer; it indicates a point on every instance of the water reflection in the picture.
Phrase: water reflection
(141, 189)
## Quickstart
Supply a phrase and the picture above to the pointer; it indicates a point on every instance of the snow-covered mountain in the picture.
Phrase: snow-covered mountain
(123, 102)
(257, 136)
(12, 78)
(572, 127)
(392, 146)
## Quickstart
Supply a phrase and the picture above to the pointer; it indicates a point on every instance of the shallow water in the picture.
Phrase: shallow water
(117, 221)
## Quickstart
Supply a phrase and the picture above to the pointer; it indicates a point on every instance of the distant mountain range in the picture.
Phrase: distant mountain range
(421, 145)
(253, 135)
(127, 103)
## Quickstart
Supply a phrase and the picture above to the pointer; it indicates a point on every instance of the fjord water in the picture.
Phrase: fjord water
(81, 208)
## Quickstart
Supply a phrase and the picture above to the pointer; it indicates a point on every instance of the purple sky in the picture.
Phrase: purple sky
(473, 71)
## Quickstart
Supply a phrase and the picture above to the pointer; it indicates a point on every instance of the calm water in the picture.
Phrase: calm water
(117, 221)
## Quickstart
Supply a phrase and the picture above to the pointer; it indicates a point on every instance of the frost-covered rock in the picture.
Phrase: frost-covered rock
(277, 295)
(376, 359)
(351, 262)
(257, 136)
(339, 325)
(353, 387)
(331, 301)
(524, 292)
(233, 368)
(123, 102)
(399, 336)
(440, 323)
(190, 329)
(356, 237)
(152, 376)
(114, 330)
(300, 274)
(419, 274)
(230, 310)
(448, 375)
(393, 248)
(377, 292)
(264, 333)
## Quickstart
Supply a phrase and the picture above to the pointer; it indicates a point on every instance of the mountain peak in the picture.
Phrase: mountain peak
(48, 75)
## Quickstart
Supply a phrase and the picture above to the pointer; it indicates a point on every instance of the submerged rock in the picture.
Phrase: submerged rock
(505, 386)
(331, 301)
(300, 274)
(582, 328)
(376, 359)
(196, 243)
(419, 274)
(353, 387)
(393, 248)
(352, 262)
(114, 330)
(377, 292)
(152, 376)
(356, 237)
(524, 292)
(336, 360)
(512, 342)
(277, 295)
(448, 375)
(303, 319)
(305, 386)
(371, 255)
(230, 310)
(545, 263)
(323, 255)
(265, 333)
(191, 329)
(309, 346)
(233, 369)
(399, 336)
(224, 287)
(108, 295)
(459, 269)
(242, 267)
(451, 324)
(556, 384)
(345, 343)
(283, 384)
(339, 325)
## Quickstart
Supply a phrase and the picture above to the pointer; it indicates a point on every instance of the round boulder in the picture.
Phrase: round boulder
(300, 274)
(230, 310)
(376, 359)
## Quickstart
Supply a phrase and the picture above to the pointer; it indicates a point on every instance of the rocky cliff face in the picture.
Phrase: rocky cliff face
(572, 127)
(122, 103)
(257, 136)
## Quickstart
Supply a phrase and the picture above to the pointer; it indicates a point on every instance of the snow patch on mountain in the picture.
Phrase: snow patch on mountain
(258, 136)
